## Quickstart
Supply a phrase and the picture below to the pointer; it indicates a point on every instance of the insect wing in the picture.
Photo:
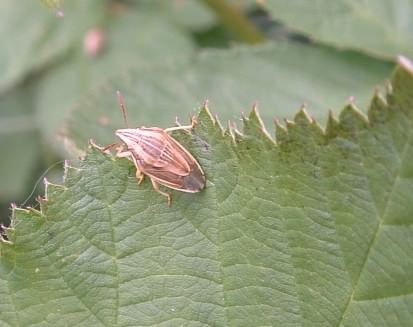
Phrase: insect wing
(161, 157)
(176, 168)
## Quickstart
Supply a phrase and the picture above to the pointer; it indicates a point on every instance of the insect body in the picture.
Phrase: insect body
(159, 156)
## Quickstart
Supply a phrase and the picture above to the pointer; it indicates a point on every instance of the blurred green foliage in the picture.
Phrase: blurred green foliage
(61, 62)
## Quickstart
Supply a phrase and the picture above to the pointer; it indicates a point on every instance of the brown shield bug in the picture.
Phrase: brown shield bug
(159, 156)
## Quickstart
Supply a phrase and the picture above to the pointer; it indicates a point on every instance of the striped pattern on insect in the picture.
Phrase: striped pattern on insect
(159, 156)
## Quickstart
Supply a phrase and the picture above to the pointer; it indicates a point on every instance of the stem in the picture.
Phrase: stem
(235, 20)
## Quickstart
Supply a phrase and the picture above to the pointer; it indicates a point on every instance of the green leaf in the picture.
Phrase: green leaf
(129, 42)
(313, 230)
(33, 37)
(19, 142)
(28, 116)
(188, 14)
(382, 28)
(276, 76)
(54, 4)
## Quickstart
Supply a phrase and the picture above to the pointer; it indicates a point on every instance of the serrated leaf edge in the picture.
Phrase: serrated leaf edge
(334, 128)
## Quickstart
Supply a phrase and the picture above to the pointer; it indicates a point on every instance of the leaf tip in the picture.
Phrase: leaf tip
(302, 116)
(253, 125)
(351, 100)
(254, 115)
(378, 108)
(205, 118)
(405, 63)
(352, 120)
(205, 104)
(402, 84)
(332, 125)
(303, 120)
(205, 113)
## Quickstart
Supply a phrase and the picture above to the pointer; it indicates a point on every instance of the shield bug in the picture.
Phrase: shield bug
(159, 156)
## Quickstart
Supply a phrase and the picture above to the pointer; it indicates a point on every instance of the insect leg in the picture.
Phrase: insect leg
(180, 127)
(4, 240)
(156, 188)
(110, 146)
(140, 176)
(121, 153)
(3, 236)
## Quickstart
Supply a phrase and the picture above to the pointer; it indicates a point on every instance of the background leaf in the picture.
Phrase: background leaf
(19, 143)
(99, 46)
(128, 43)
(188, 14)
(33, 36)
(274, 75)
(60, 71)
(381, 28)
(308, 231)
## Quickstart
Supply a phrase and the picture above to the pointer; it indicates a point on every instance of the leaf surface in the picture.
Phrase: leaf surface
(29, 120)
(280, 77)
(132, 38)
(32, 36)
(19, 143)
(382, 28)
(313, 230)
(192, 15)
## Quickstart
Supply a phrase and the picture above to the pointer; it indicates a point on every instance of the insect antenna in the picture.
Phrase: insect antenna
(122, 106)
